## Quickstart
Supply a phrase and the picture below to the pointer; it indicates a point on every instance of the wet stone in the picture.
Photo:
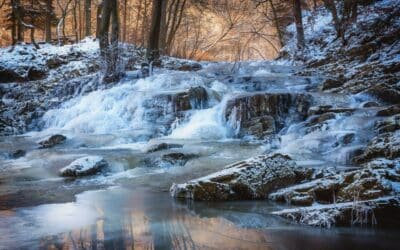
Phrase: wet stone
(52, 141)
(84, 166)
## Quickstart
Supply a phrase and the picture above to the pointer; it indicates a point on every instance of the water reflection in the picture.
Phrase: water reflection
(140, 219)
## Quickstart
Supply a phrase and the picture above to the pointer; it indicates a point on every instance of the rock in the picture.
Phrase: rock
(55, 62)
(164, 109)
(383, 212)
(321, 118)
(52, 141)
(331, 83)
(392, 110)
(347, 138)
(390, 124)
(198, 97)
(84, 166)
(262, 114)
(35, 74)
(361, 184)
(251, 179)
(161, 146)
(383, 145)
(302, 200)
(369, 104)
(18, 153)
(8, 75)
(176, 158)
(319, 110)
(385, 93)
(190, 67)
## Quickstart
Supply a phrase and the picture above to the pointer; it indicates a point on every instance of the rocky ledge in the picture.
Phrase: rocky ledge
(254, 178)
(327, 197)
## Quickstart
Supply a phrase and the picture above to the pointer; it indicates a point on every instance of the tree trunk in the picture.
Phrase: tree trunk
(88, 17)
(144, 24)
(13, 23)
(176, 22)
(124, 18)
(49, 10)
(18, 16)
(276, 23)
(153, 50)
(330, 5)
(98, 19)
(75, 21)
(33, 28)
(163, 27)
(109, 49)
(299, 23)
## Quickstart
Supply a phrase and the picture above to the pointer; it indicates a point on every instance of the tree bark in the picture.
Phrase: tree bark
(276, 23)
(124, 20)
(153, 49)
(98, 19)
(163, 27)
(13, 23)
(299, 23)
(88, 17)
(18, 17)
(49, 10)
(75, 21)
(32, 27)
(109, 48)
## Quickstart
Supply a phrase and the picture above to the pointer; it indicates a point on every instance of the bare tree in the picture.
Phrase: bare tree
(299, 24)
(48, 21)
(61, 24)
(88, 17)
(98, 18)
(153, 49)
(109, 44)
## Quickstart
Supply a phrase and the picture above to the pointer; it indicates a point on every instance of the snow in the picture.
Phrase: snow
(23, 57)
(84, 165)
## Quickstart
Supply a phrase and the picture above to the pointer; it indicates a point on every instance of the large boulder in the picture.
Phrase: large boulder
(84, 166)
(254, 178)
(52, 141)
(262, 114)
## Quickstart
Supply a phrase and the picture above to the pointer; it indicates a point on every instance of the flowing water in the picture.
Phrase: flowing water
(128, 206)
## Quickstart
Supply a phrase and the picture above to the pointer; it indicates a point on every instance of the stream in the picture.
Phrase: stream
(129, 205)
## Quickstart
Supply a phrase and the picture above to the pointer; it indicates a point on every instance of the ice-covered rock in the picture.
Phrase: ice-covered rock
(173, 159)
(84, 166)
(383, 145)
(388, 111)
(382, 212)
(262, 114)
(254, 178)
(161, 146)
(52, 141)
(363, 184)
